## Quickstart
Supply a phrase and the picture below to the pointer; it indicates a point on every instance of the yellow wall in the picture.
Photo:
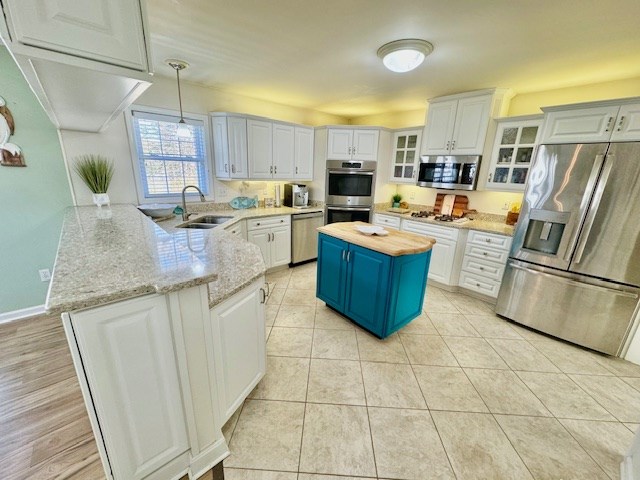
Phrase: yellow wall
(410, 118)
(529, 103)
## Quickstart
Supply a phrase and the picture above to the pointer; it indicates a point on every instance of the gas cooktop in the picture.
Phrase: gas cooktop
(438, 217)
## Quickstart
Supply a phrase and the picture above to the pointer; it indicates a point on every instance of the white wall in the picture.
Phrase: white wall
(114, 141)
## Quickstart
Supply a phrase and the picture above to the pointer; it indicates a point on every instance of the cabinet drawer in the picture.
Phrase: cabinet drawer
(487, 254)
(489, 239)
(479, 284)
(430, 230)
(386, 221)
(258, 223)
(482, 268)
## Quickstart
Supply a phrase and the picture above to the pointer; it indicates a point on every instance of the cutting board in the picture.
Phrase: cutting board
(461, 203)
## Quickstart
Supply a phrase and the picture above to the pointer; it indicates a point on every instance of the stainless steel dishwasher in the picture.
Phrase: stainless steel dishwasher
(304, 236)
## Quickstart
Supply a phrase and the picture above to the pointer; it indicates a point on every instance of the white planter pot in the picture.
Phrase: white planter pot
(101, 199)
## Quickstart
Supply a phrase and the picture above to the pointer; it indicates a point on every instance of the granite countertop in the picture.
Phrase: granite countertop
(128, 255)
(395, 243)
(479, 221)
(171, 224)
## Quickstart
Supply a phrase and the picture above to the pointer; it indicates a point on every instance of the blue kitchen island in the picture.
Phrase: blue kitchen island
(378, 282)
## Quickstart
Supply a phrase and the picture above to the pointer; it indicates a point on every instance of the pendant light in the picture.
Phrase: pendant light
(183, 130)
(404, 55)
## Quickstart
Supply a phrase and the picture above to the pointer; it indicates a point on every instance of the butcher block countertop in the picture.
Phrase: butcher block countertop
(395, 244)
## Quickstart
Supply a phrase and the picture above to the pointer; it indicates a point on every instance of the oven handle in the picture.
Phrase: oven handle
(350, 209)
(351, 172)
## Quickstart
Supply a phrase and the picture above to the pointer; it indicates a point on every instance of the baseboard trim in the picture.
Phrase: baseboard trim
(22, 313)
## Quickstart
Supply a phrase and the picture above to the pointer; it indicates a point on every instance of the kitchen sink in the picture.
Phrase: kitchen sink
(198, 225)
(206, 222)
(212, 219)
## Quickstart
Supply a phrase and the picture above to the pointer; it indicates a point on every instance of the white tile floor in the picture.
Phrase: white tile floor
(457, 393)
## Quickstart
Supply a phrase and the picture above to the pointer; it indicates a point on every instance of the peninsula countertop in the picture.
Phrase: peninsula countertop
(396, 243)
(102, 260)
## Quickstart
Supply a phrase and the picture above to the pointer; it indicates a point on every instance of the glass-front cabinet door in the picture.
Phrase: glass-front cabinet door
(513, 151)
(405, 156)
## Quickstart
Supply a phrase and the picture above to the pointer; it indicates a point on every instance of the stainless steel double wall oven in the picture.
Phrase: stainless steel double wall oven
(349, 188)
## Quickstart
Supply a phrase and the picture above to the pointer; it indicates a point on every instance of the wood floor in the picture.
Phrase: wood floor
(44, 428)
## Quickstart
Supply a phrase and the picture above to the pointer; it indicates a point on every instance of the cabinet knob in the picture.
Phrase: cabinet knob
(477, 284)
(482, 269)
(484, 253)
(620, 123)
(281, 221)
(453, 145)
(275, 169)
(258, 223)
(233, 169)
(448, 143)
(488, 240)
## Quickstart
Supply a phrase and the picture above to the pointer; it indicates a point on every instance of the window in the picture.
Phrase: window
(166, 162)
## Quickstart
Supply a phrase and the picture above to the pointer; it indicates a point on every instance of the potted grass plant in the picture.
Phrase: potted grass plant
(96, 172)
(396, 200)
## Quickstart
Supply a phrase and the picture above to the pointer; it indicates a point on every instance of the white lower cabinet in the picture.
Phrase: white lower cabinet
(238, 335)
(484, 261)
(445, 254)
(387, 221)
(128, 356)
(239, 229)
(273, 236)
(161, 374)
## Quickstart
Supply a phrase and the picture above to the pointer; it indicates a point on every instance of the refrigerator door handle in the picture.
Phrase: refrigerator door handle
(584, 203)
(570, 281)
(595, 204)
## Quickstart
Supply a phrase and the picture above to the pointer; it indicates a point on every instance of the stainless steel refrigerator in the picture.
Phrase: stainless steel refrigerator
(574, 266)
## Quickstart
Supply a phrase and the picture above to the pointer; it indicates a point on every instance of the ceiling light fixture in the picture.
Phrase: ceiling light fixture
(404, 55)
(183, 129)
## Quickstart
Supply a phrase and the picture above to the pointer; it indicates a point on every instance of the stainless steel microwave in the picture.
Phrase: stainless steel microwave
(453, 172)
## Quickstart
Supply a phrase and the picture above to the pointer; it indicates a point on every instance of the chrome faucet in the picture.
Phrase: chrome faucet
(185, 215)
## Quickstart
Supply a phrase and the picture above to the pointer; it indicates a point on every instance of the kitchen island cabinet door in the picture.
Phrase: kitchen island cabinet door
(442, 261)
(367, 288)
(129, 361)
(332, 271)
(238, 336)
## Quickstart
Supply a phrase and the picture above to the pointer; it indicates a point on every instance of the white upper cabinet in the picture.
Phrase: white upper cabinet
(108, 31)
(339, 144)
(441, 119)
(348, 144)
(85, 60)
(230, 146)
(627, 126)
(580, 125)
(260, 148)
(613, 120)
(365, 145)
(457, 126)
(283, 151)
(404, 157)
(303, 153)
(512, 153)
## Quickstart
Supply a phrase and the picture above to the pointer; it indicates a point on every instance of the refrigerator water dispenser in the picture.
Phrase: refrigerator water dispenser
(545, 231)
